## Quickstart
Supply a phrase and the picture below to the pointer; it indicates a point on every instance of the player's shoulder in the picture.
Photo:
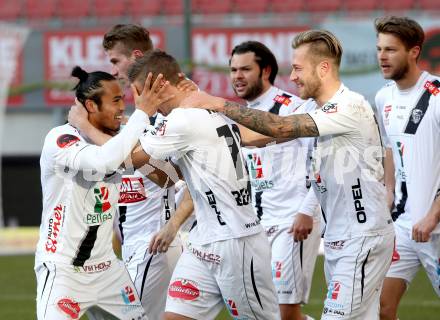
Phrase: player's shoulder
(385, 90)
(349, 98)
(287, 99)
(62, 136)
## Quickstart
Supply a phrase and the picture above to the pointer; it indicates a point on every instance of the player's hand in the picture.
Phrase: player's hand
(301, 227)
(422, 230)
(151, 96)
(162, 240)
(185, 84)
(202, 100)
(78, 115)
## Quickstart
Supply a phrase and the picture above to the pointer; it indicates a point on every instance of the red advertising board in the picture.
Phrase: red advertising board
(9, 44)
(212, 48)
(67, 49)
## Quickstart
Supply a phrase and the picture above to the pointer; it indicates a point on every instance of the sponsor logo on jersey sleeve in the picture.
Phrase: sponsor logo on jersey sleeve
(132, 190)
(330, 108)
(282, 99)
(66, 140)
(431, 88)
(184, 289)
(69, 307)
(55, 224)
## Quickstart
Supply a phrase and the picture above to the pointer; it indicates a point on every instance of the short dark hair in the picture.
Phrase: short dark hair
(89, 86)
(156, 61)
(131, 36)
(322, 43)
(408, 31)
(263, 56)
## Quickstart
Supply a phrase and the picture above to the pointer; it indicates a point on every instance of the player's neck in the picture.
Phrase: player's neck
(328, 90)
(410, 78)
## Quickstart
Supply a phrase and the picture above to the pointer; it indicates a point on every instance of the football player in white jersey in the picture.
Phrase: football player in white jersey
(227, 259)
(347, 168)
(144, 208)
(409, 110)
(76, 268)
(278, 178)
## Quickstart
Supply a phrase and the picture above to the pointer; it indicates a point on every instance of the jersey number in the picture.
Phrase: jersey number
(226, 132)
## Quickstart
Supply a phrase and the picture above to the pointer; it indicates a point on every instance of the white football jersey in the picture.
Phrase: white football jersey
(144, 207)
(348, 168)
(80, 193)
(278, 172)
(411, 122)
(206, 147)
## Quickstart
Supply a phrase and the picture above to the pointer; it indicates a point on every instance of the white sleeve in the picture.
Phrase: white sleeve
(74, 153)
(171, 139)
(379, 116)
(310, 204)
(335, 119)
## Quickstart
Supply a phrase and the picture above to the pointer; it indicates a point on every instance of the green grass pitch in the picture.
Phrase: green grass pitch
(17, 297)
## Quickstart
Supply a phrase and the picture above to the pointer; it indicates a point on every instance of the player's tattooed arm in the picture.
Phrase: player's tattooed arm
(272, 125)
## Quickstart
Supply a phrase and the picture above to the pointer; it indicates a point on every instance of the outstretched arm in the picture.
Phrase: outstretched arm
(269, 124)
(266, 123)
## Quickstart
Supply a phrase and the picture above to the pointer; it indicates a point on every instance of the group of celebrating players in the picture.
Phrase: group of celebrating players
(265, 182)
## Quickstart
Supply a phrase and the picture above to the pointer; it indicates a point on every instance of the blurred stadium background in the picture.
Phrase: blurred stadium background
(56, 35)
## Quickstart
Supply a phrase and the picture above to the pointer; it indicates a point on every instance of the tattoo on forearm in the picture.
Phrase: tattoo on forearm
(272, 125)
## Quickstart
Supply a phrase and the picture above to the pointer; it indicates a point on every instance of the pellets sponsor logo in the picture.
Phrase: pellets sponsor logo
(230, 304)
(335, 245)
(132, 190)
(70, 307)
(184, 289)
(255, 165)
(330, 108)
(53, 232)
(128, 295)
(94, 268)
(102, 205)
(101, 197)
(431, 88)
(333, 290)
(66, 140)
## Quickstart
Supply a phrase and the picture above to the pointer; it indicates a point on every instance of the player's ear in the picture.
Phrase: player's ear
(414, 52)
(136, 53)
(266, 73)
(91, 106)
